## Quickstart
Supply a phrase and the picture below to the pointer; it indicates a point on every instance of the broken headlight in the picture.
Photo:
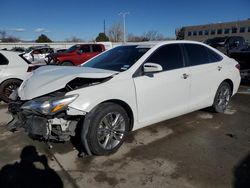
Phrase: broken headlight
(49, 106)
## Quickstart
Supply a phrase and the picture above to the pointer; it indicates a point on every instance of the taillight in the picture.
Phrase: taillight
(32, 68)
(237, 66)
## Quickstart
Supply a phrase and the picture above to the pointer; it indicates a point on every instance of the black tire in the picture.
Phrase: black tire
(222, 97)
(7, 87)
(97, 126)
(67, 63)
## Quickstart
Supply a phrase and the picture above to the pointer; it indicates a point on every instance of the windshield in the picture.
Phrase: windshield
(29, 49)
(72, 48)
(118, 59)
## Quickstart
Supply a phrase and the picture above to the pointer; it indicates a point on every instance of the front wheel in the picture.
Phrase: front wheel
(7, 87)
(222, 97)
(108, 127)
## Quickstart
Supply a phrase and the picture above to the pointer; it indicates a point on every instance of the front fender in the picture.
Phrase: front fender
(92, 96)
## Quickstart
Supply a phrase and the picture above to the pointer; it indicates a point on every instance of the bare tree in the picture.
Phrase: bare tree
(11, 39)
(115, 32)
(135, 38)
(2, 34)
(153, 35)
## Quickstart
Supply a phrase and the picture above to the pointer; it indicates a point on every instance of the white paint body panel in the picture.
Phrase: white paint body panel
(151, 99)
(17, 67)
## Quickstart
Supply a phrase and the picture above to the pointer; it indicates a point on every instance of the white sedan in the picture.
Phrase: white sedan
(14, 68)
(123, 89)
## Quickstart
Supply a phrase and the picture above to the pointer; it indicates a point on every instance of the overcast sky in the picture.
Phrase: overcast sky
(59, 20)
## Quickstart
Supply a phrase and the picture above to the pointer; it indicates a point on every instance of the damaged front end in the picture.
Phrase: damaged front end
(46, 118)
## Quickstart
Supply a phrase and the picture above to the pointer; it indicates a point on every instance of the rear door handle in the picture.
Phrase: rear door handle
(219, 68)
(185, 76)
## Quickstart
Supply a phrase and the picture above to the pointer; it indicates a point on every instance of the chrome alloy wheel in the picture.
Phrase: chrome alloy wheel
(223, 97)
(111, 130)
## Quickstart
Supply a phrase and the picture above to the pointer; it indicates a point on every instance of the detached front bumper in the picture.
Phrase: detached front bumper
(56, 128)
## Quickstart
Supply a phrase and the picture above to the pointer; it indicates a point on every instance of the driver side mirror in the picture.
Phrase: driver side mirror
(152, 67)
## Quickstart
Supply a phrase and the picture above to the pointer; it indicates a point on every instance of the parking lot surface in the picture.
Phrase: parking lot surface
(200, 149)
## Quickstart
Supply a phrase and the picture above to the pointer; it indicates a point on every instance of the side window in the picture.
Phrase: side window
(3, 60)
(37, 52)
(169, 57)
(97, 48)
(84, 49)
(197, 54)
(213, 56)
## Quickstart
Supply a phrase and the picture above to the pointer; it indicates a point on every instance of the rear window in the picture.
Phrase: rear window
(3, 60)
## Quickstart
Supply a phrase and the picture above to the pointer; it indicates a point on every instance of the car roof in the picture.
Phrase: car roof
(151, 44)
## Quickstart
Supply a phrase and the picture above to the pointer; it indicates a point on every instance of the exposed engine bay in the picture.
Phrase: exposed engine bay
(45, 118)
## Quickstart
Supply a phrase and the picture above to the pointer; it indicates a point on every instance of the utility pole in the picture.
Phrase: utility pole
(124, 14)
(104, 27)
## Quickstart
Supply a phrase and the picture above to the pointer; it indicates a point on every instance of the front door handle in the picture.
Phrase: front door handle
(185, 76)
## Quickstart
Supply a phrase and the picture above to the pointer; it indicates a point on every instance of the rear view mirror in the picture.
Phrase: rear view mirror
(151, 67)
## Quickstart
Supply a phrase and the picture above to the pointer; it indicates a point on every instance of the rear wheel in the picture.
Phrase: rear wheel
(67, 63)
(222, 97)
(108, 128)
(7, 87)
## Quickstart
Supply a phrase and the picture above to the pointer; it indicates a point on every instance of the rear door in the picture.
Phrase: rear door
(164, 94)
(96, 49)
(205, 74)
(84, 54)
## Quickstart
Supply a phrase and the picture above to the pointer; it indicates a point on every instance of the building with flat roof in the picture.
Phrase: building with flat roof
(207, 31)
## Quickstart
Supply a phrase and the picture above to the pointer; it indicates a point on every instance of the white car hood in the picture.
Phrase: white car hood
(48, 79)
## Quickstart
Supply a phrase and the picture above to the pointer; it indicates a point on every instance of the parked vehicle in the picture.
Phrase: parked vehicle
(18, 49)
(76, 54)
(235, 47)
(38, 54)
(13, 70)
(123, 89)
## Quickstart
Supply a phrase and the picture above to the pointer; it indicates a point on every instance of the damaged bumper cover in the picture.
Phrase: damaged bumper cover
(56, 127)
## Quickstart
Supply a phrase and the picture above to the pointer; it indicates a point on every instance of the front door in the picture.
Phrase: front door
(164, 94)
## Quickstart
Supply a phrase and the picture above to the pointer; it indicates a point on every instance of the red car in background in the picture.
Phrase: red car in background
(76, 54)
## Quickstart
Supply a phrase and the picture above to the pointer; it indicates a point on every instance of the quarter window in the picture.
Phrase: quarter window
(3, 60)
(197, 54)
(213, 56)
(169, 57)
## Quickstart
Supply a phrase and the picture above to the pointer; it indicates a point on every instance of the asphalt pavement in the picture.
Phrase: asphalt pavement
(200, 149)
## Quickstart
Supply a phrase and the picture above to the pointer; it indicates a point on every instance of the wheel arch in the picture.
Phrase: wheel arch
(19, 79)
(69, 61)
(230, 82)
(126, 107)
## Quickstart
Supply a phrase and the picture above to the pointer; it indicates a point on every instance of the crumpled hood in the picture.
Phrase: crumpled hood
(48, 79)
